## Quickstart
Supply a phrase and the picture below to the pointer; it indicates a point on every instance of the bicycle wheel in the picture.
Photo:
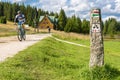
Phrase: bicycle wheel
(24, 35)
(19, 35)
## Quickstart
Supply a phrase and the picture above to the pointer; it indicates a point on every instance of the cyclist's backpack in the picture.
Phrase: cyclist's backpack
(19, 16)
(17, 20)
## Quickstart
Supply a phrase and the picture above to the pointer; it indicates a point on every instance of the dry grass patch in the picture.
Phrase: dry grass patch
(9, 29)
(9, 25)
(70, 35)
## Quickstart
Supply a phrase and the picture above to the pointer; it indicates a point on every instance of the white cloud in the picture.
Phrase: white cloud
(53, 5)
(112, 8)
(117, 8)
(107, 8)
(92, 4)
(78, 7)
(70, 7)
(106, 18)
(17, 1)
(84, 16)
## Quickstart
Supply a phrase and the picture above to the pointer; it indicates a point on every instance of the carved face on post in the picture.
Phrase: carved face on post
(96, 28)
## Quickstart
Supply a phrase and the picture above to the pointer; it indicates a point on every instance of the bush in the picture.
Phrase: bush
(3, 20)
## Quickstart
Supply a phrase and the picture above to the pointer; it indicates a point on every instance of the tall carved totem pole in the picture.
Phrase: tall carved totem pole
(96, 39)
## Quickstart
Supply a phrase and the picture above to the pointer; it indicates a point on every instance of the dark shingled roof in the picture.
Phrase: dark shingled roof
(51, 18)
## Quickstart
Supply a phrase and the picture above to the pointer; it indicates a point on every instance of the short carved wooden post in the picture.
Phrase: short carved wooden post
(96, 39)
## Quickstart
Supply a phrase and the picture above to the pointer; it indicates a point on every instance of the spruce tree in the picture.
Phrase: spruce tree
(118, 26)
(79, 25)
(15, 8)
(112, 27)
(1, 9)
(56, 15)
(62, 20)
(85, 26)
(68, 26)
(73, 24)
(29, 15)
(9, 12)
(105, 29)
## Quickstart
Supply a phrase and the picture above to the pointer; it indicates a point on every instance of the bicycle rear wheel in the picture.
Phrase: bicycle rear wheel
(24, 35)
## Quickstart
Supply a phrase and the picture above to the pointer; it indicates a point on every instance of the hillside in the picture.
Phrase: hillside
(50, 59)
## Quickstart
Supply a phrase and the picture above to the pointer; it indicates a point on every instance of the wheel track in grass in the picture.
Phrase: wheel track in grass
(81, 45)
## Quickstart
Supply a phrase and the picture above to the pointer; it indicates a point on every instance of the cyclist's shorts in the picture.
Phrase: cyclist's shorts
(19, 26)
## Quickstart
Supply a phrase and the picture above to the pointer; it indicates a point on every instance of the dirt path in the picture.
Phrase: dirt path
(9, 46)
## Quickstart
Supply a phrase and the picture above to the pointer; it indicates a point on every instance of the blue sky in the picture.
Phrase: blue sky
(81, 8)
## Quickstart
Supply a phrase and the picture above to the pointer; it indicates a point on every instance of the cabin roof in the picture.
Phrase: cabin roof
(51, 18)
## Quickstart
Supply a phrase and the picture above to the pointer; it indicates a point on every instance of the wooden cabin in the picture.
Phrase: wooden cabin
(47, 21)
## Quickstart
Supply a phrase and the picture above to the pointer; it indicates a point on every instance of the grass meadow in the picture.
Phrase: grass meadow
(53, 60)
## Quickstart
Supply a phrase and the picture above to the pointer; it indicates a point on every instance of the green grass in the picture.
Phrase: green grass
(112, 52)
(53, 60)
(72, 38)
(111, 47)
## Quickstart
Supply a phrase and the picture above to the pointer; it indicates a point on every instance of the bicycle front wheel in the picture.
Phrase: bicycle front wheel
(19, 35)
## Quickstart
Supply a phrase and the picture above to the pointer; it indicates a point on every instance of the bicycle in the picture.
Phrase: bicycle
(21, 34)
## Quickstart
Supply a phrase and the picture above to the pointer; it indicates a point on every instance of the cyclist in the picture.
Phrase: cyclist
(20, 20)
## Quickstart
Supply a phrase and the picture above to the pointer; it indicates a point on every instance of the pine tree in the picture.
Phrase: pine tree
(56, 15)
(1, 9)
(79, 25)
(68, 26)
(102, 25)
(85, 26)
(118, 26)
(9, 12)
(112, 27)
(73, 24)
(15, 8)
(62, 20)
(52, 14)
(29, 17)
(105, 29)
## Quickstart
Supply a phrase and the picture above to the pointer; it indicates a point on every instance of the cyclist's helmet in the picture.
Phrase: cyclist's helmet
(19, 12)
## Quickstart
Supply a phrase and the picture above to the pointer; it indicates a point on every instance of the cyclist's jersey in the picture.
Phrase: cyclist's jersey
(20, 18)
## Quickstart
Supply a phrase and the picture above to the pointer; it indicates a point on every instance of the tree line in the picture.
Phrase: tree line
(72, 24)
(75, 24)
(111, 27)
(9, 11)
(67, 24)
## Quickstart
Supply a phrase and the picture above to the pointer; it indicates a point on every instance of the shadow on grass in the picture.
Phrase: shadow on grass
(101, 73)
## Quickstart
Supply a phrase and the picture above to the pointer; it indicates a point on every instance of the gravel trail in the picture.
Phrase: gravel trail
(9, 46)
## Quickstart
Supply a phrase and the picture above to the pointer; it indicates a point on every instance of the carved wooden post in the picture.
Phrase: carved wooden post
(96, 39)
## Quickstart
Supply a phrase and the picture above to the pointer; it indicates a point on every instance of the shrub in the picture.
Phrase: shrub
(3, 19)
